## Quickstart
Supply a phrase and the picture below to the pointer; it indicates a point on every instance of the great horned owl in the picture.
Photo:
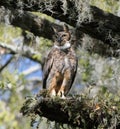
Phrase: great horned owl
(60, 65)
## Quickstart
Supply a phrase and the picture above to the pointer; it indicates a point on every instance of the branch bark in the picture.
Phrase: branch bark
(59, 110)
(77, 111)
(28, 21)
(103, 26)
(27, 52)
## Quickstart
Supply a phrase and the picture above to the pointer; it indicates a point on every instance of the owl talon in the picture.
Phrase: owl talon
(61, 94)
(63, 97)
(53, 93)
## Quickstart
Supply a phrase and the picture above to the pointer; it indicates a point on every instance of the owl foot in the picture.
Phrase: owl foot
(63, 97)
(61, 94)
(53, 93)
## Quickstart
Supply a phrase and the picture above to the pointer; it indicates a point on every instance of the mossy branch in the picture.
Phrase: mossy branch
(98, 24)
(95, 22)
(77, 111)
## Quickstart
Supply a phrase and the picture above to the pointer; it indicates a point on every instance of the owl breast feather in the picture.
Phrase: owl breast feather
(63, 61)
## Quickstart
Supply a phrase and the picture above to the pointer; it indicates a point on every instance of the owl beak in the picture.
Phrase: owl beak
(59, 39)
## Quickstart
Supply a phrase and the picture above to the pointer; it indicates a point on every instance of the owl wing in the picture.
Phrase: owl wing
(73, 76)
(75, 71)
(47, 68)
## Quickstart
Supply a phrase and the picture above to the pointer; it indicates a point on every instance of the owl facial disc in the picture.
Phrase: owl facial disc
(65, 46)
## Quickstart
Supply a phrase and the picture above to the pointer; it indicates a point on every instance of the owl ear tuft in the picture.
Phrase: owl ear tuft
(66, 28)
(55, 30)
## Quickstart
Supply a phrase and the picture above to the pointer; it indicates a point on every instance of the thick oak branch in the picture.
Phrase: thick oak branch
(42, 27)
(32, 23)
(103, 26)
(28, 21)
(61, 111)
(79, 111)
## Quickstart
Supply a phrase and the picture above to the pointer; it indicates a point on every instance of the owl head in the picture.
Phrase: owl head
(62, 38)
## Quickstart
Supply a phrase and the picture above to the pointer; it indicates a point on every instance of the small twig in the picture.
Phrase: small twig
(6, 64)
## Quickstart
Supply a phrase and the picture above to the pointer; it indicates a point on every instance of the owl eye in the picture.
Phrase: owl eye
(63, 35)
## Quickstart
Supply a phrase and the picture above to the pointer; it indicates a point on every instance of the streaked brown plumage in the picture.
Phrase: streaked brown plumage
(60, 65)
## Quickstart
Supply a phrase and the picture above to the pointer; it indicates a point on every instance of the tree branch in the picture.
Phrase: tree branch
(31, 70)
(28, 21)
(42, 27)
(58, 110)
(78, 111)
(7, 63)
(103, 26)
(27, 52)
